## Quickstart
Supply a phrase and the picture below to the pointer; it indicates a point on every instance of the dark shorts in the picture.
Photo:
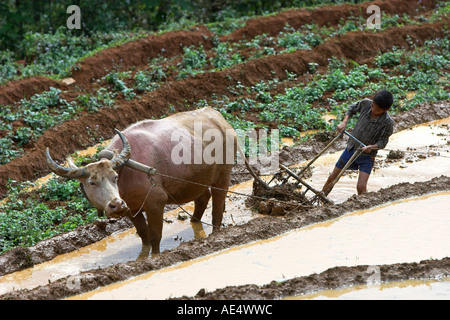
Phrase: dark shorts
(364, 162)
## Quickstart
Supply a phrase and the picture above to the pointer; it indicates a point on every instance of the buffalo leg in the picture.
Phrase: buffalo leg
(218, 200)
(143, 232)
(155, 214)
(200, 205)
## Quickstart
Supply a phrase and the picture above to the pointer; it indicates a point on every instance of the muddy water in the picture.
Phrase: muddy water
(421, 163)
(126, 246)
(398, 290)
(406, 231)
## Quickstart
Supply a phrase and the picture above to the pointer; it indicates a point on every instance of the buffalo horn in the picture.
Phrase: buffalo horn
(72, 173)
(119, 160)
(108, 154)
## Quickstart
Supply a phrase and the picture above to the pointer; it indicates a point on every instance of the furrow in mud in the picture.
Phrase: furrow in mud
(333, 278)
(137, 53)
(256, 229)
(24, 257)
(77, 134)
(21, 258)
(324, 16)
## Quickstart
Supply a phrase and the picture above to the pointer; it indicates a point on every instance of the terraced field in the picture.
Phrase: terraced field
(289, 71)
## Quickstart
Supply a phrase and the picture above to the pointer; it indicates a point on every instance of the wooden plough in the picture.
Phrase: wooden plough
(320, 197)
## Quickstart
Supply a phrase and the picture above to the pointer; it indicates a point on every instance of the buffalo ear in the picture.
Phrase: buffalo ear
(71, 163)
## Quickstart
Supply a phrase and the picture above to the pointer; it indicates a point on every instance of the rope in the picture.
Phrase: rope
(192, 217)
(204, 185)
(221, 189)
(146, 197)
(235, 192)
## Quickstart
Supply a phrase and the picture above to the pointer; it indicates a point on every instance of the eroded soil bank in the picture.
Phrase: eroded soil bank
(256, 229)
(78, 134)
(137, 53)
(333, 278)
(21, 258)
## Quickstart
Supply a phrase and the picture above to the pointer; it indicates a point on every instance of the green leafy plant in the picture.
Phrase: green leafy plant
(25, 219)
(224, 56)
(194, 59)
(117, 80)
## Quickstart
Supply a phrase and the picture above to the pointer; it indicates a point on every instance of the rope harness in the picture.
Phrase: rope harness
(150, 176)
(152, 171)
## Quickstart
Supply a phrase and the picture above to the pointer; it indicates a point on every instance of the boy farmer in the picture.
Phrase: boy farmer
(373, 128)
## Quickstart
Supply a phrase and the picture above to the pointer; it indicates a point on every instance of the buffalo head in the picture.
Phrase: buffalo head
(99, 180)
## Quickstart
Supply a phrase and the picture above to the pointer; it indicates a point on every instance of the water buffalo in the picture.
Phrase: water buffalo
(118, 190)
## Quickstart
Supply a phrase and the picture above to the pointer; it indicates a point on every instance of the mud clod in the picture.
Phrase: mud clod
(287, 206)
(395, 155)
(286, 194)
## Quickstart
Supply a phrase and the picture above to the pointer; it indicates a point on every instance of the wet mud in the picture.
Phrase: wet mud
(333, 278)
(77, 134)
(256, 229)
(21, 258)
(392, 233)
(423, 289)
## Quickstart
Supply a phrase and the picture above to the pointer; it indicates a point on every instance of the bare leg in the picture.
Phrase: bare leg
(361, 187)
(218, 200)
(330, 179)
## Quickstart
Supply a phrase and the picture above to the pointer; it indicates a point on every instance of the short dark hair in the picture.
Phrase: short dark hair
(384, 99)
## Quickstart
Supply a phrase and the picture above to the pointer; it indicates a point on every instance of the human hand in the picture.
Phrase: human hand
(341, 127)
(367, 149)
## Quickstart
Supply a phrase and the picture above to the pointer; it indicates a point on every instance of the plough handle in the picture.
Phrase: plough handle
(361, 144)
(320, 153)
(348, 164)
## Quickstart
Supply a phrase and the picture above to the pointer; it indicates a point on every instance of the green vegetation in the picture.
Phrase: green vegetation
(39, 48)
(20, 18)
(39, 113)
(422, 71)
(117, 80)
(415, 76)
(35, 32)
(55, 54)
(29, 217)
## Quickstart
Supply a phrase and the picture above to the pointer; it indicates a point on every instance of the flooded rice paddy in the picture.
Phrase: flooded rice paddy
(409, 230)
(396, 290)
(405, 231)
